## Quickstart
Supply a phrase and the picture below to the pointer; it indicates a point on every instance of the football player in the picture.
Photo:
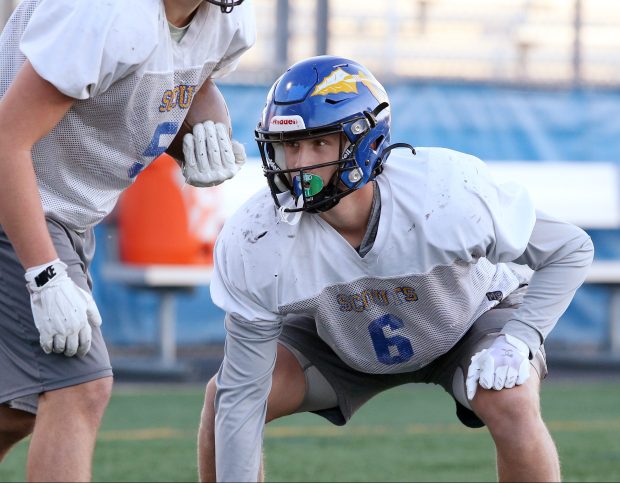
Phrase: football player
(381, 265)
(91, 93)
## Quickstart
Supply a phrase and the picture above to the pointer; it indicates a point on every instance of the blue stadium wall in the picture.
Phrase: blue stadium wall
(493, 123)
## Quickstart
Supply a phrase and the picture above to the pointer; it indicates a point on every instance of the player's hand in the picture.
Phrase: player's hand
(63, 312)
(211, 157)
(504, 364)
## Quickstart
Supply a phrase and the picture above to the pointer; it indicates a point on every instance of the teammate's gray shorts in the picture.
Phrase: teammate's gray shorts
(25, 370)
(335, 391)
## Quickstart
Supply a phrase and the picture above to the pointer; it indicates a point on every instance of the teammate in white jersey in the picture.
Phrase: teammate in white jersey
(373, 272)
(91, 91)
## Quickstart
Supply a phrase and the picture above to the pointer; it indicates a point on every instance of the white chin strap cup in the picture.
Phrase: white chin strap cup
(291, 218)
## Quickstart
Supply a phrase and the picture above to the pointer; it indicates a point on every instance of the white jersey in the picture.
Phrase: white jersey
(432, 270)
(437, 263)
(133, 85)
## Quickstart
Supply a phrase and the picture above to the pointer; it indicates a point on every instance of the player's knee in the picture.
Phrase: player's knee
(504, 411)
(95, 398)
(87, 401)
(98, 393)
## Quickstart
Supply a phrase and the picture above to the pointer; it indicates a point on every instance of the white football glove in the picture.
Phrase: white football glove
(503, 365)
(63, 312)
(211, 157)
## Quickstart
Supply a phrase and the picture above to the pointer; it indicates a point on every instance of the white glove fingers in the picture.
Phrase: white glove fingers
(60, 316)
(188, 151)
(47, 342)
(473, 374)
(60, 340)
(487, 370)
(239, 152)
(92, 311)
(225, 145)
(212, 146)
(500, 377)
(200, 147)
(85, 338)
(524, 372)
(71, 345)
(511, 378)
(472, 383)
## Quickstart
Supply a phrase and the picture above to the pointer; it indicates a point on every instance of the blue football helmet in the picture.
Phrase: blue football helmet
(316, 97)
(226, 5)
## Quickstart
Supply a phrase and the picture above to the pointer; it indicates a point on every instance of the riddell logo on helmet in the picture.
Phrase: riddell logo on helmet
(286, 123)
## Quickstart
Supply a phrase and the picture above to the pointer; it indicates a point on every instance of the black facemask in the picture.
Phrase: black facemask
(225, 5)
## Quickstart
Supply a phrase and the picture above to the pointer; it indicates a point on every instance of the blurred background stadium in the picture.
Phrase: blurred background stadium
(530, 86)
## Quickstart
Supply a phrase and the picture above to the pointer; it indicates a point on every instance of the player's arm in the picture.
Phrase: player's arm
(203, 147)
(243, 385)
(560, 255)
(63, 313)
(508, 228)
(29, 110)
(253, 325)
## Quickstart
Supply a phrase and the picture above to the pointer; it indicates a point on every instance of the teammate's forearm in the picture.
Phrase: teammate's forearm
(29, 110)
(21, 213)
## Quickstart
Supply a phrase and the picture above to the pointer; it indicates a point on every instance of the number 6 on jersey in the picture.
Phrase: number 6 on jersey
(389, 350)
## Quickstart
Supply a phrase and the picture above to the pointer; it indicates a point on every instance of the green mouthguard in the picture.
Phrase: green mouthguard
(312, 184)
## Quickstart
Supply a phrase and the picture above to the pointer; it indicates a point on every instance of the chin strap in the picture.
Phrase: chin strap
(391, 147)
(386, 152)
(288, 217)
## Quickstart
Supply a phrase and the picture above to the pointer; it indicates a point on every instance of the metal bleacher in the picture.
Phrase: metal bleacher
(508, 41)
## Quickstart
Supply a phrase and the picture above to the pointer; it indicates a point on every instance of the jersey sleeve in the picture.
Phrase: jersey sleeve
(237, 286)
(470, 216)
(82, 46)
(507, 228)
(243, 384)
(560, 255)
(252, 329)
(243, 38)
(499, 222)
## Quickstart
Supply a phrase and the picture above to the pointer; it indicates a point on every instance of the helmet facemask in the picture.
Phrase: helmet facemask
(312, 193)
(225, 5)
(320, 96)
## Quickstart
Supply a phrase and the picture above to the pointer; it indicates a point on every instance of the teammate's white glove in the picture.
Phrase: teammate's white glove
(211, 157)
(63, 312)
(503, 365)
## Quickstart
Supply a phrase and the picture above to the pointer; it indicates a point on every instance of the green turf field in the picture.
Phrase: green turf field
(407, 434)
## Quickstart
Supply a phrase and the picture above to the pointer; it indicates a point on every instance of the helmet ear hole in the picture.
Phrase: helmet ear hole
(376, 143)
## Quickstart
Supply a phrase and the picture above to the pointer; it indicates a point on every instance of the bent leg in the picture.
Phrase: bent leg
(15, 425)
(63, 440)
(288, 389)
(525, 449)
